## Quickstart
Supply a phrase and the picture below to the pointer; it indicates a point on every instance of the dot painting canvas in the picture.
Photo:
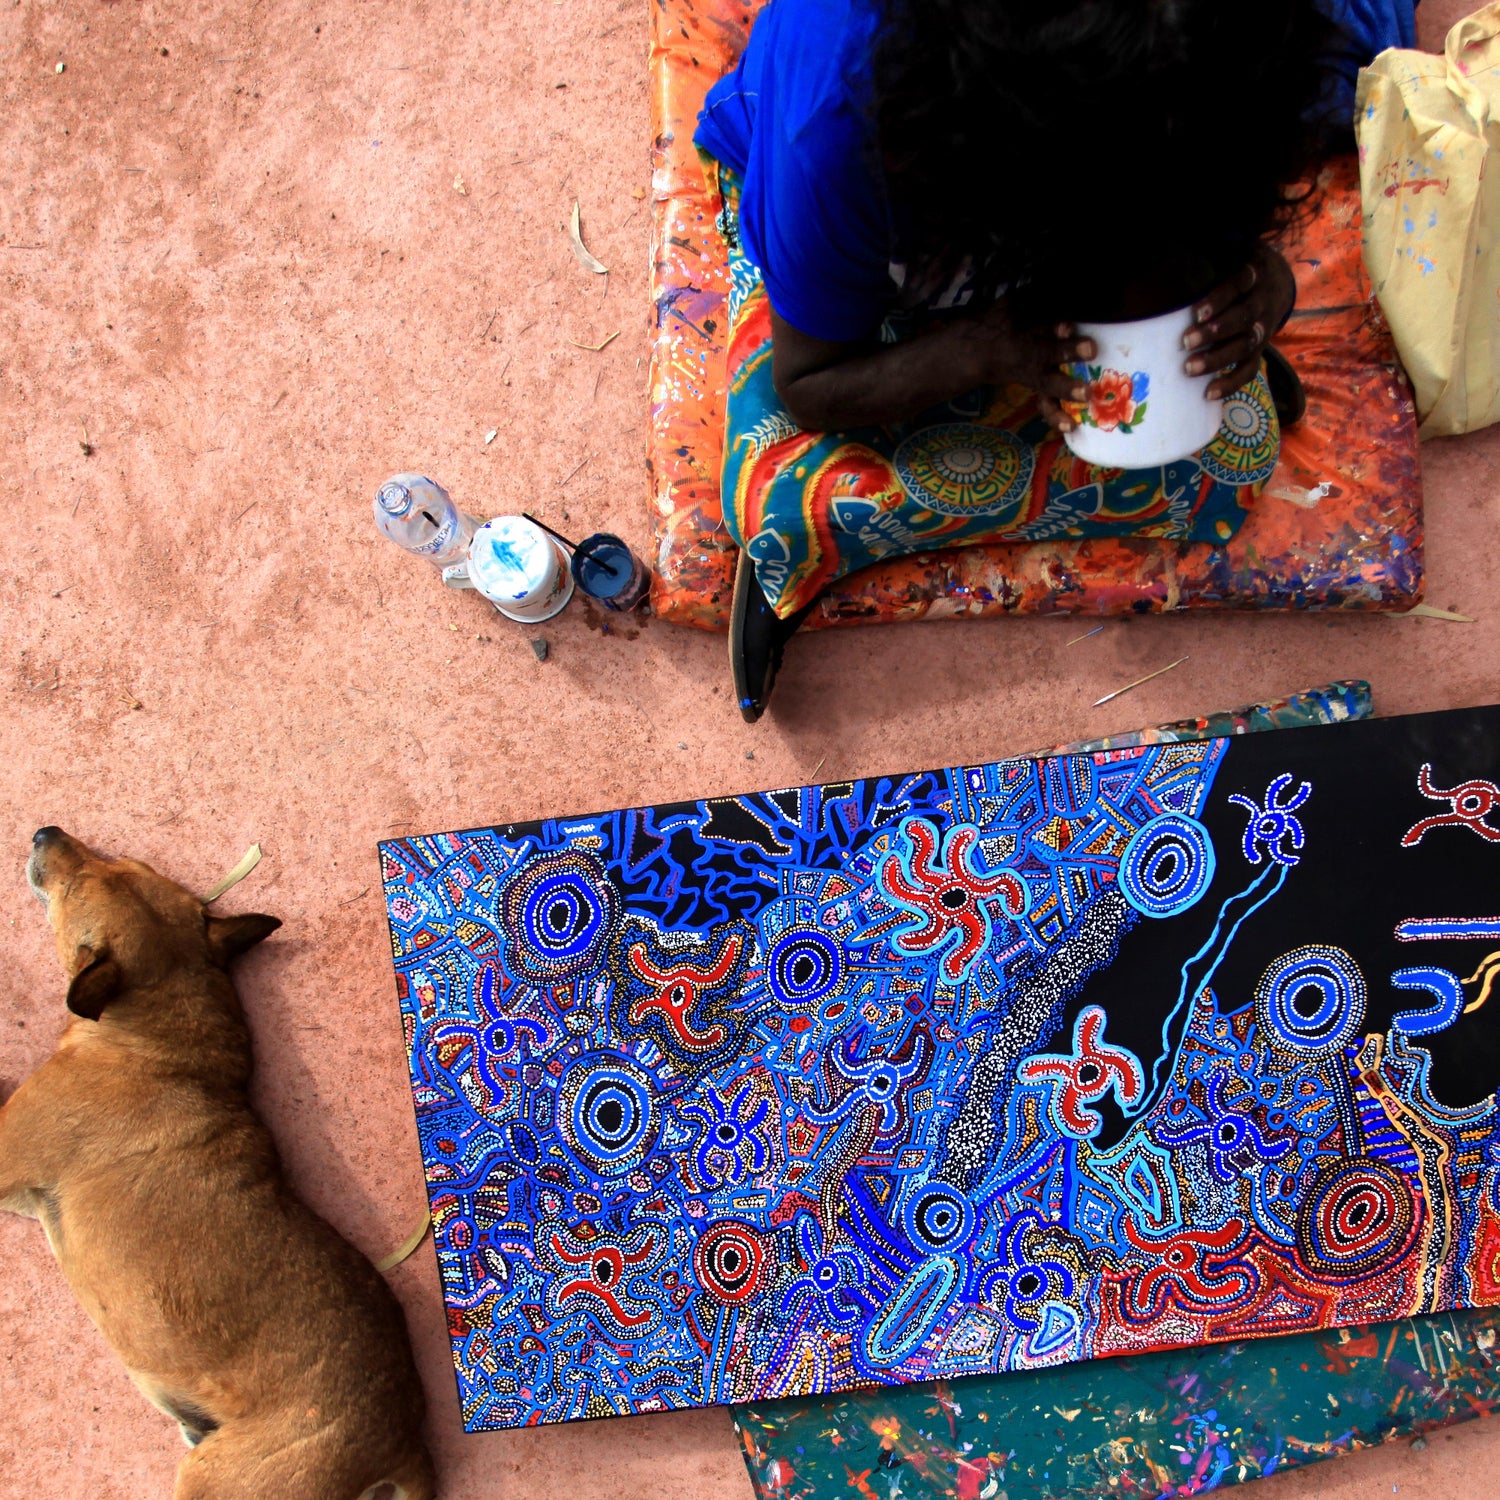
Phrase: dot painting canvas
(977, 1069)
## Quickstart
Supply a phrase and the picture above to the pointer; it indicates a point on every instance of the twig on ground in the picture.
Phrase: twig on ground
(248, 861)
(586, 258)
(1432, 612)
(407, 1246)
(1110, 697)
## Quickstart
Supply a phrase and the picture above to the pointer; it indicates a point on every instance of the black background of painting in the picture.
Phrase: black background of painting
(1353, 884)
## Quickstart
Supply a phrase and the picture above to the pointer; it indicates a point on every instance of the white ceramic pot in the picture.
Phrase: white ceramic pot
(1142, 408)
(517, 567)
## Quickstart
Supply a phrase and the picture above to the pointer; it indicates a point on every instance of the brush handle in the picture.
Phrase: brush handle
(571, 546)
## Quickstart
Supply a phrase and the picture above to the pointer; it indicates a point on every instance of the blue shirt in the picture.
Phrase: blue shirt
(794, 121)
(1366, 27)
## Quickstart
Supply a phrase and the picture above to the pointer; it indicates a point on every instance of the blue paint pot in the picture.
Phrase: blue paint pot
(607, 570)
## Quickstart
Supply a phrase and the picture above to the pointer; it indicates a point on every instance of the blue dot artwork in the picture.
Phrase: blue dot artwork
(984, 1068)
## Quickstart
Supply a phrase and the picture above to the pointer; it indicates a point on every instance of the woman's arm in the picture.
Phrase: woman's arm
(826, 386)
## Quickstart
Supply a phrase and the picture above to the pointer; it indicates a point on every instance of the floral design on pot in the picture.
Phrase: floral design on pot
(1115, 401)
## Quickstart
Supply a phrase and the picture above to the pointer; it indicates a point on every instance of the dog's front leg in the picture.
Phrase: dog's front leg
(25, 1175)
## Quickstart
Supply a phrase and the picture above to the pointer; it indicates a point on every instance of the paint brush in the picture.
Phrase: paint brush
(1110, 697)
(1086, 634)
(571, 546)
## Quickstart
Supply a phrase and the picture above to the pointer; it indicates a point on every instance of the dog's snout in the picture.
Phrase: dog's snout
(51, 848)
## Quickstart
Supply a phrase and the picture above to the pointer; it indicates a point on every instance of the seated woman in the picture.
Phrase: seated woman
(922, 198)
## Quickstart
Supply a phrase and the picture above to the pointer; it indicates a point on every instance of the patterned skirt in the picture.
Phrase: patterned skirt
(810, 507)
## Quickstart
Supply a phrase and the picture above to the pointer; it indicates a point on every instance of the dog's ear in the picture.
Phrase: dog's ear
(94, 985)
(228, 937)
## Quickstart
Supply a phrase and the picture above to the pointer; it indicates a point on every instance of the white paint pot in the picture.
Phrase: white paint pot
(517, 567)
(1142, 408)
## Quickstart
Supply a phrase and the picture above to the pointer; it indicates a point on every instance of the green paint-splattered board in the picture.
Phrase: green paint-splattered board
(1172, 1424)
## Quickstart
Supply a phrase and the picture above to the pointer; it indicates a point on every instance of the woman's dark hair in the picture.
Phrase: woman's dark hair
(1098, 140)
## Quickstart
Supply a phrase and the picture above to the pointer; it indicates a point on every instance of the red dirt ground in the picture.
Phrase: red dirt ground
(234, 249)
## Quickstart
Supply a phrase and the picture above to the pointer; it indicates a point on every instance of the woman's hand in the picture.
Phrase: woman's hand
(1038, 358)
(1236, 320)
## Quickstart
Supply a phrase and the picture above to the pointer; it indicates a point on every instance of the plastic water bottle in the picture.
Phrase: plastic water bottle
(416, 513)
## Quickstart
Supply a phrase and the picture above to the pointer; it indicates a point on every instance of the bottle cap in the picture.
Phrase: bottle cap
(393, 498)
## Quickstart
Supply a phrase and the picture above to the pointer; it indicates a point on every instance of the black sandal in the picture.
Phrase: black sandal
(757, 637)
(1286, 387)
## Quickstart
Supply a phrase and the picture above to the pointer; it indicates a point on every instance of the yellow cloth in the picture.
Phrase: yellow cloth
(1432, 217)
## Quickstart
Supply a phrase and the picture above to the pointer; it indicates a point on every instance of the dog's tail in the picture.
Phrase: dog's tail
(413, 1479)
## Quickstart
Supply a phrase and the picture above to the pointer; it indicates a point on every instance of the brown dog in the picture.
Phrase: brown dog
(275, 1345)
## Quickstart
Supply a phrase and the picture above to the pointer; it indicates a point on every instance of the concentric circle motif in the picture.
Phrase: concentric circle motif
(1249, 439)
(1311, 1001)
(938, 1218)
(1167, 865)
(1357, 1217)
(727, 1260)
(962, 469)
(804, 966)
(1028, 1284)
(557, 914)
(605, 1113)
(459, 1233)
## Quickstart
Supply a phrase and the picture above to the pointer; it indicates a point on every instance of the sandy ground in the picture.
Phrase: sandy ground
(257, 257)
